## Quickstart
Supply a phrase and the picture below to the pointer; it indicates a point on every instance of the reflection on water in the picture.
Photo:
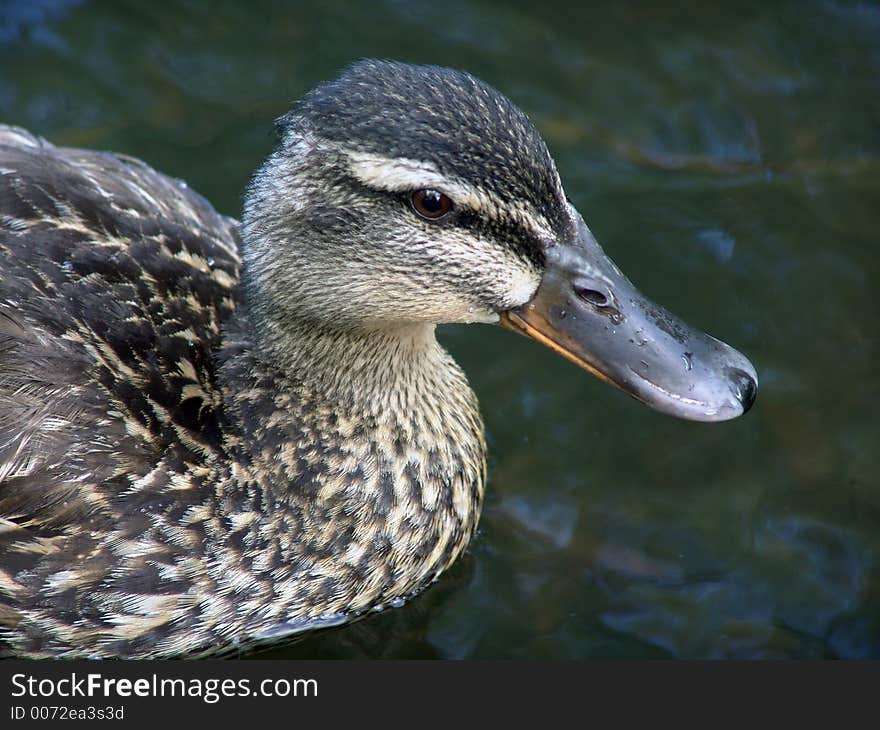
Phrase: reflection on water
(728, 160)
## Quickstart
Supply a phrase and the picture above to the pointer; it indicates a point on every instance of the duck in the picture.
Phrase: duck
(218, 434)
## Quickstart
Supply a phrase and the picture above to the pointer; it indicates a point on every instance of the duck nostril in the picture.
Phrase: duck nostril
(591, 296)
(744, 387)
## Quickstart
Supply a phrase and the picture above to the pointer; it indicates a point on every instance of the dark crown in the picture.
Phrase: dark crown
(447, 117)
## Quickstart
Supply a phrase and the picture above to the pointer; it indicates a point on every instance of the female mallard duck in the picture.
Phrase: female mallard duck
(213, 435)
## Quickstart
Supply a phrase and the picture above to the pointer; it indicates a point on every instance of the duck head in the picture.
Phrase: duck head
(402, 195)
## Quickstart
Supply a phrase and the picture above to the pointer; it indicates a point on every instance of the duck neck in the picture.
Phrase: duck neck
(362, 372)
(383, 383)
(363, 448)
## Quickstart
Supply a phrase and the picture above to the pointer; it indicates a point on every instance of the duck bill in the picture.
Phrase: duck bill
(590, 313)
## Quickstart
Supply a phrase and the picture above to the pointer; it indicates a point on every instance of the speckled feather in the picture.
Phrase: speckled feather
(210, 439)
(149, 506)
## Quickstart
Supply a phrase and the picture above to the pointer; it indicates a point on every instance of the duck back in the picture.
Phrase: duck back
(115, 281)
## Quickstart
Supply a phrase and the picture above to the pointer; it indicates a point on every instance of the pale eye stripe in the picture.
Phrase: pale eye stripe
(399, 174)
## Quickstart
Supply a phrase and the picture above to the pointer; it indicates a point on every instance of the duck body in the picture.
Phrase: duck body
(216, 434)
(163, 492)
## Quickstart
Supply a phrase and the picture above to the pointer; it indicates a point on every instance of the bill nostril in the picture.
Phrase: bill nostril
(592, 296)
(744, 387)
(599, 297)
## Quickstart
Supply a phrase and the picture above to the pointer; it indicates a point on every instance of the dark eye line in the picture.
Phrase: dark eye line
(521, 240)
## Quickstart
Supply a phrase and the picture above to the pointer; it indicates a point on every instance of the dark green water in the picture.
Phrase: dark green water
(729, 160)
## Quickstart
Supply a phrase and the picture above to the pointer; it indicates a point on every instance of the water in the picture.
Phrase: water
(727, 159)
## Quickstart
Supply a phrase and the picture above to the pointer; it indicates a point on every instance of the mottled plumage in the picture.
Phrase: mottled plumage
(167, 485)
(213, 435)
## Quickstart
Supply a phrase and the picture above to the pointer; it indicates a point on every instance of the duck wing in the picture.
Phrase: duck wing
(115, 281)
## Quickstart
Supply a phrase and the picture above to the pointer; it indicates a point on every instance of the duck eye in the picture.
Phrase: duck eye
(431, 204)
